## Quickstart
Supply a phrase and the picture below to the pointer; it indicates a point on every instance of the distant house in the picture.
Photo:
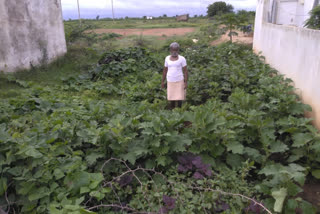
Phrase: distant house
(149, 17)
(183, 18)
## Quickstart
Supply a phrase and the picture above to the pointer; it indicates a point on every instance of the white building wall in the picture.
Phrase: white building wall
(286, 12)
(289, 12)
(301, 16)
(294, 52)
(31, 32)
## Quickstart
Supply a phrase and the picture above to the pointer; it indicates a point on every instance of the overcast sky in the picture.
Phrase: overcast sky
(139, 8)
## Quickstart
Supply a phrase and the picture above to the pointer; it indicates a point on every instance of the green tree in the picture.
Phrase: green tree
(314, 20)
(231, 21)
(97, 18)
(246, 20)
(219, 8)
(164, 16)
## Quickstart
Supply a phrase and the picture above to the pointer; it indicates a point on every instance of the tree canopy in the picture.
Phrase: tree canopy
(219, 8)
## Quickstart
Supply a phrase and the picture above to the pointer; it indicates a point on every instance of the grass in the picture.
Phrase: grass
(77, 60)
(137, 23)
(8, 89)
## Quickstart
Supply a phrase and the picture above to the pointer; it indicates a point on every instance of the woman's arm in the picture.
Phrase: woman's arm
(185, 72)
(164, 76)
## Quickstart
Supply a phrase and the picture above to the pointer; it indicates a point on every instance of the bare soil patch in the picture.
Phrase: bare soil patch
(148, 32)
(311, 193)
(241, 38)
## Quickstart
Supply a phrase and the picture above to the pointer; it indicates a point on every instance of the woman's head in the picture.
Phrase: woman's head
(174, 49)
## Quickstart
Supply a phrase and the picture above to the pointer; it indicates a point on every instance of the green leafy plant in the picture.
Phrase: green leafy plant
(314, 20)
(241, 142)
(219, 8)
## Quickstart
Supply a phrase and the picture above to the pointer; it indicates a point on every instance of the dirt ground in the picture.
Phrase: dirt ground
(241, 38)
(311, 193)
(148, 32)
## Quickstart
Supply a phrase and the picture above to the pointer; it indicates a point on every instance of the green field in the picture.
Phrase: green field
(92, 131)
(139, 23)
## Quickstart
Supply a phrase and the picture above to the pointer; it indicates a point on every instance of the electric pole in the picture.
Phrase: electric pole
(79, 12)
(112, 10)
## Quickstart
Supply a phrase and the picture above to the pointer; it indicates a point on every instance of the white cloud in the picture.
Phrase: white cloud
(129, 4)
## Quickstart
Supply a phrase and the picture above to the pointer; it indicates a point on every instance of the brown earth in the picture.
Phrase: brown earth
(148, 32)
(311, 193)
(241, 38)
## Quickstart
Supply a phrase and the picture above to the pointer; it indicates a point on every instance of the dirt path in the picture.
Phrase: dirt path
(146, 32)
(241, 38)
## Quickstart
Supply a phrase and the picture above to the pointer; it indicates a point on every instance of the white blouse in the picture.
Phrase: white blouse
(175, 73)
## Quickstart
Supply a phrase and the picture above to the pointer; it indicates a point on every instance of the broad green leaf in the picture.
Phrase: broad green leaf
(72, 207)
(77, 180)
(106, 190)
(92, 158)
(98, 195)
(316, 173)
(294, 158)
(139, 151)
(307, 208)
(16, 171)
(25, 188)
(84, 211)
(297, 172)
(155, 142)
(53, 209)
(58, 173)
(150, 163)
(278, 146)
(29, 206)
(4, 136)
(32, 152)
(180, 144)
(234, 160)
(161, 160)
(300, 139)
(271, 169)
(96, 179)
(254, 154)
(235, 147)
(39, 193)
(79, 200)
(316, 146)
(297, 167)
(279, 195)
(84, 189)
(130, 156)
(293, 189)
(291, 206)
(3, 185)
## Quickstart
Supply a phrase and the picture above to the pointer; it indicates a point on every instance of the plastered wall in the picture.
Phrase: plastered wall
(294, 52)
(31, 33)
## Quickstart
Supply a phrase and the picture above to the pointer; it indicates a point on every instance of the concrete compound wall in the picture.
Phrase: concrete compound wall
(294, 52)
(31, 33)
(289, 12)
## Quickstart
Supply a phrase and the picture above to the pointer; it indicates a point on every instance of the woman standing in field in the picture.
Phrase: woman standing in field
(176, 72)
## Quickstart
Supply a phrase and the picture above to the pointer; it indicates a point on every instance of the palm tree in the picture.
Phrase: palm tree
(79, 12)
